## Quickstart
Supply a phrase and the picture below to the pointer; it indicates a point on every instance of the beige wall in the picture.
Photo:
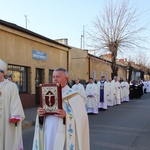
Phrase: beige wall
(122, 72)
(98, 66)
(16, 49)
(78, 64)
(14, 45)
(83, 64)
(146, 77)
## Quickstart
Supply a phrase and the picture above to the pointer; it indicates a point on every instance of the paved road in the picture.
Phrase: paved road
(122, 127)
(28, 138)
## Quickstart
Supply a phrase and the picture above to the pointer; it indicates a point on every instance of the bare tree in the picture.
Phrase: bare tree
(116, 30)
(142, 61)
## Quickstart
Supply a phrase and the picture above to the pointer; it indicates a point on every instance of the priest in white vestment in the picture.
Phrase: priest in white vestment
(102, 104)
(108, 90)
(92, 97)
(11, 113)
(117, 88)
(124, 91)
(69, 128)
(78, 87)
(144, 86)
(148, 87)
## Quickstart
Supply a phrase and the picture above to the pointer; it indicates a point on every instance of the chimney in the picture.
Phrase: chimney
(62, 41)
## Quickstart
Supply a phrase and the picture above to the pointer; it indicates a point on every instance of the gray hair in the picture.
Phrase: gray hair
(63, 70)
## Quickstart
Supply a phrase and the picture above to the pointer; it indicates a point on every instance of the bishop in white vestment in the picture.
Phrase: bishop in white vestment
(10, 108)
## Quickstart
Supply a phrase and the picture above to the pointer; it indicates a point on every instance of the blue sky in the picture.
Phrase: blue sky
(52, 18)
(58, 19)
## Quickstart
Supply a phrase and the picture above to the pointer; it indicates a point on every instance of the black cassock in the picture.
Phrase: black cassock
(131, 95)
(137, 91)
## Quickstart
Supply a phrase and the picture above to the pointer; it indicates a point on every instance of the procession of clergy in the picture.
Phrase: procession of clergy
(98, 96)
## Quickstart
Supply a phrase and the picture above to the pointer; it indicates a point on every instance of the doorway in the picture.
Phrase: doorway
(39, 78)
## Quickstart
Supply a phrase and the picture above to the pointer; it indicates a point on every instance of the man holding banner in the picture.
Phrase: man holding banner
(69, 127)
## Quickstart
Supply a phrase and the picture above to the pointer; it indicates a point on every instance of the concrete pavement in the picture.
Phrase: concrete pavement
(30, 116)
(122, 127)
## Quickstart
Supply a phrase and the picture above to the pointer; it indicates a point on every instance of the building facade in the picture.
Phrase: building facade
(31, 59)
(84, 65)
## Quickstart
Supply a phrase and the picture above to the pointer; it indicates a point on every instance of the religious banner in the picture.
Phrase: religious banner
(50, 98)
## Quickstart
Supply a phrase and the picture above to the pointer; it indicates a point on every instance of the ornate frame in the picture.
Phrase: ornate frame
(50, 97)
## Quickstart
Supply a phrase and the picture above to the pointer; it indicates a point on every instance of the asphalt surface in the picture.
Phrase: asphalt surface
(121, 127)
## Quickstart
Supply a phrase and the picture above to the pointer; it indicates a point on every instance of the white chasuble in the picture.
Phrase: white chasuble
(124, 90)
(123, 87)
(117, 87)
(107, 89)
(127, 88)
(10, 105)
(74, 135)
(108, 95)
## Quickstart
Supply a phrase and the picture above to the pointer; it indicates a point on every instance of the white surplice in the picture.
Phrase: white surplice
(80, 89)
(92, 102)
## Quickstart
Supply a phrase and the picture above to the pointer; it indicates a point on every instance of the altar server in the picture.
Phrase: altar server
(92, 97)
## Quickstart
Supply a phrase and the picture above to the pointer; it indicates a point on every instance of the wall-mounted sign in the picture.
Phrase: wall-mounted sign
(38, 55)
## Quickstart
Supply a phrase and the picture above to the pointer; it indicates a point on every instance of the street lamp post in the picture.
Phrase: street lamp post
(83, 38)
(81, 41)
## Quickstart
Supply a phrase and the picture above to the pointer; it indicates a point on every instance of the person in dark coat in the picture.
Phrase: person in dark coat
(131, 88)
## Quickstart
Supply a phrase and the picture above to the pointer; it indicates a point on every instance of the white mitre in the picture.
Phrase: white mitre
(3, 66)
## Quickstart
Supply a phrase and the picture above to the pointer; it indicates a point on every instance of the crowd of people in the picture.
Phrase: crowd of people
(146, 86)
(138, 88)
(68, 128)
(99, 95)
